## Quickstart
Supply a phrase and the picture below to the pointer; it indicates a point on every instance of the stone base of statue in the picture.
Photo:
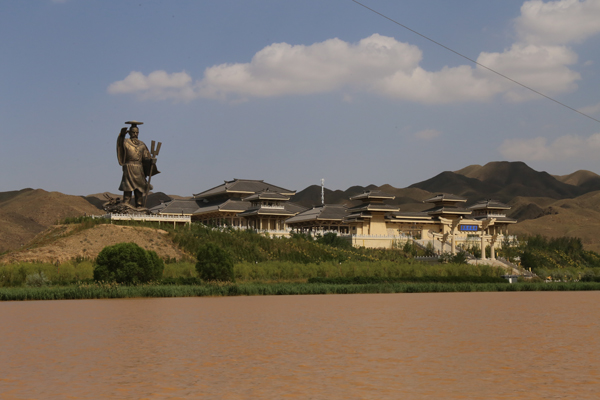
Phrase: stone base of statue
(115, 205)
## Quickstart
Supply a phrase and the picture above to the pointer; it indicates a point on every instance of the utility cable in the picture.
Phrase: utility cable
(475, 62)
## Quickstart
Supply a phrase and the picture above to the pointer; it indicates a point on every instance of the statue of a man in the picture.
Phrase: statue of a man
(137, 163)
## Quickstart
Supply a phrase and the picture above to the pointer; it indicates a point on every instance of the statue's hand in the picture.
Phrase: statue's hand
(123, 132)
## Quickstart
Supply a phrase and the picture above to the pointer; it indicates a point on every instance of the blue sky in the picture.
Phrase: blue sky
(293, 91)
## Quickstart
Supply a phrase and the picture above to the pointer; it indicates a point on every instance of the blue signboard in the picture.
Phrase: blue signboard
(468, 228)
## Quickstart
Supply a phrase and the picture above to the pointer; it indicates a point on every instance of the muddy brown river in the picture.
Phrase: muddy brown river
(522, 345)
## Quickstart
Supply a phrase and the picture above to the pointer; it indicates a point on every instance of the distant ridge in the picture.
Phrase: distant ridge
(502, 180)
(586, 180)
(542, 203)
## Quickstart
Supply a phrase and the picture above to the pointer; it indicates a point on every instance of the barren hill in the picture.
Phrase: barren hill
(501, 180)
(586, 180)
(25, 213)
(577, 217)
(62, 242)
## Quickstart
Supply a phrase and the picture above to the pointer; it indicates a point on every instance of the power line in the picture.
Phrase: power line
(475, 62)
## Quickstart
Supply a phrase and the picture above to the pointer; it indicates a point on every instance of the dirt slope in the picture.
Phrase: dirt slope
(27, 212)
(60, 243)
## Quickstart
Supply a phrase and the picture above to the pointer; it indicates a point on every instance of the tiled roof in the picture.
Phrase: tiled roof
(358, 215)
(266, 195)
(373, 194)
(225, 205)
(490, 204)
(180, 207)
(242, 186)
(447, 210)
(293, 207)
(445, 197)
(327, 212)
(374, 207)
(265, 211)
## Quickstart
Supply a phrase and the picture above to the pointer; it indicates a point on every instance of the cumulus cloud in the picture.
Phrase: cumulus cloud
(543, 68)
(428, 134)
(562, 148)
(158, 85)
(386, 67)
(558, 22)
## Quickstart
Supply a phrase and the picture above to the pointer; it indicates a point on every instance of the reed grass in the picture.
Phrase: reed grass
(68, 272)
(112, 290)
(281, 270)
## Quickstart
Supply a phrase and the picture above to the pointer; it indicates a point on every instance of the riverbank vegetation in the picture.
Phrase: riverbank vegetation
(101, 290)
(302, 264)
(14, 275)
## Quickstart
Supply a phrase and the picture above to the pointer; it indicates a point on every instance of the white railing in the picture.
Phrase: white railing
(145, 217)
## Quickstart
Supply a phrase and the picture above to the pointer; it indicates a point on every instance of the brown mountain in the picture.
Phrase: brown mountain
(501, 180)
(578, 217)
(586, 180)
(25, 213)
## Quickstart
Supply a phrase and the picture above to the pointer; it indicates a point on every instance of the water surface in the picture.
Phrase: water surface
(521, 345)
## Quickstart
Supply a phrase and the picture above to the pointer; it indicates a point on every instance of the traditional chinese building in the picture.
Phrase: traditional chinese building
(245, 203)
(324, 218)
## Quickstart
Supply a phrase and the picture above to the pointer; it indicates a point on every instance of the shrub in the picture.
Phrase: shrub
(127, 263)
(37, 279)
(459, 258)
(333, 240)
(214, 264)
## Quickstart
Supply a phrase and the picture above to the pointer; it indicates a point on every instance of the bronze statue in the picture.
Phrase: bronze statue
(138, 163)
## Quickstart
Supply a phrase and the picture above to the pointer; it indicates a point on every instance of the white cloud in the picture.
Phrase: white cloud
(158, 85)
(562, 148)
(558, 22)
(386, 67)
(543, 68)
(428, 134)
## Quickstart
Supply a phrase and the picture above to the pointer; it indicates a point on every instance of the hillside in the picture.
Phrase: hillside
(542, 203)
(502, 180)
(25, 213)
(586, 180)
(61, 243)
(579, 217)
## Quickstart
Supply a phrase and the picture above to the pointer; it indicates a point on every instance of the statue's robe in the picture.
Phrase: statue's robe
(136, 161)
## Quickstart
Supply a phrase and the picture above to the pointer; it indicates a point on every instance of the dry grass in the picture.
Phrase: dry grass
(60, 244)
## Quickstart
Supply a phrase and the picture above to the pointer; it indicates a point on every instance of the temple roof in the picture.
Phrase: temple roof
(490, 205)
(447, 210)
(178, 207)
(445, 197)
(266, 211)
(228, 205)
(243, 186)
(374, 207)
(373, 194)
(266, 195)
(330, 212)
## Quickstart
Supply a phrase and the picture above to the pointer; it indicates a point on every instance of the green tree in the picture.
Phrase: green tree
(127, 263)
(333, 240)
(214, 264)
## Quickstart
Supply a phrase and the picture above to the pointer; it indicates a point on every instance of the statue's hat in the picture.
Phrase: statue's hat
(134, 123)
